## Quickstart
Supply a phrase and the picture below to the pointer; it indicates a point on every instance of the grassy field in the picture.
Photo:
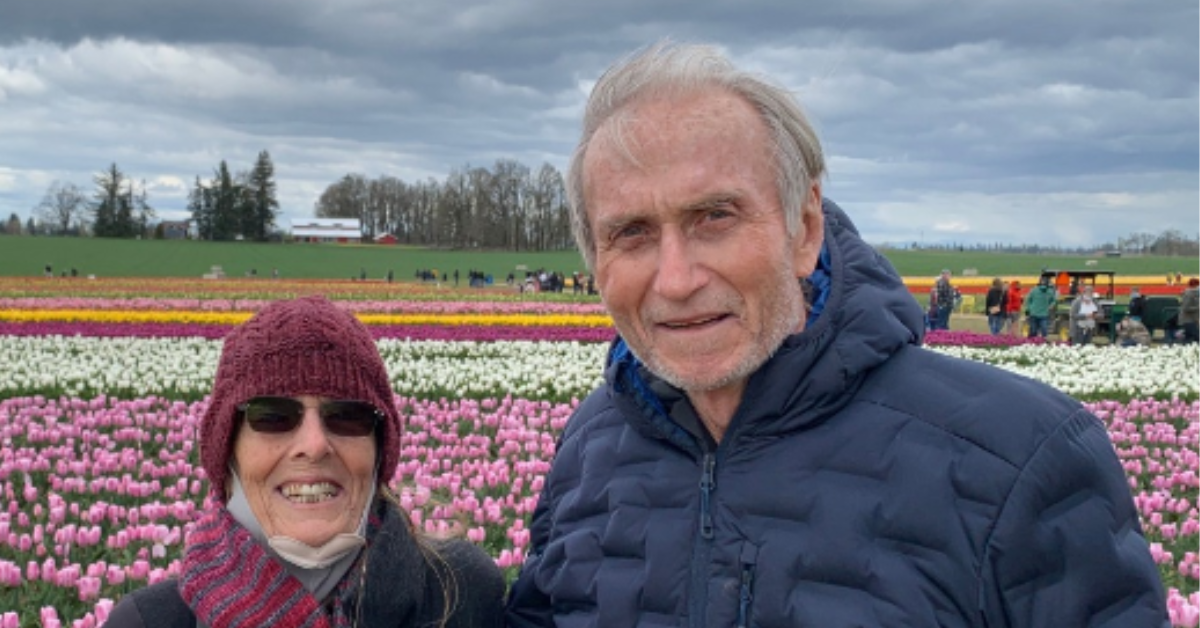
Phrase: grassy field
(181, 258)
(27, 256)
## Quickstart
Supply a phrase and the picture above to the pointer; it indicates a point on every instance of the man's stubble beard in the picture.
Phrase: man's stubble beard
(784, 313)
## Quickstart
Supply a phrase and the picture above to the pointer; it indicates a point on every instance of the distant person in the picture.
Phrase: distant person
(1062, 284)
(995, 304)
(49, 271)
(1013, 303)
(74, 273)
(1039, 307)
(1084, 312)
(1131, 332)
(943, 299)
(1137, 304)
(1189, 312)
(390, 276)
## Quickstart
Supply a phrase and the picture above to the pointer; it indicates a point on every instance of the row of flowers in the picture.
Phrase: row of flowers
(97, 495)
(358, 306)
(183, 367)
(236, 318)
(267, 288)
(481, 333)
(437, 331)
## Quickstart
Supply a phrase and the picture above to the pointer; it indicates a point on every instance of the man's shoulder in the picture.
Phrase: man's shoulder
(473, 568)
(1006, 414)
(158, 605)
(595, 409)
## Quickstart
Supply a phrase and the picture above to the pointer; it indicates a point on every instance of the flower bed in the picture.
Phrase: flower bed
(99, 479)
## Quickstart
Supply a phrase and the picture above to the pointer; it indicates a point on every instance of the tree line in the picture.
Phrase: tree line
(1169, 243)
(507, 207)
(227, 207)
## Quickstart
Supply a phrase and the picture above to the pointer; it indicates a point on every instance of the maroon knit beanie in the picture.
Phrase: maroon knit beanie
(306, 346)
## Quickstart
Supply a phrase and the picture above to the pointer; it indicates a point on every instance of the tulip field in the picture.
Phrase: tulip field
(103, 383)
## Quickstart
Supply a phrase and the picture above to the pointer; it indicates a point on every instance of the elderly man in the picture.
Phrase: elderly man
(771, 445)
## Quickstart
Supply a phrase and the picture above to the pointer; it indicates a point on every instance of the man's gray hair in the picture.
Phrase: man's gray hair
(666, 69)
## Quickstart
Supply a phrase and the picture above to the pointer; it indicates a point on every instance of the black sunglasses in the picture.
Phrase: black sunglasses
(280, 415)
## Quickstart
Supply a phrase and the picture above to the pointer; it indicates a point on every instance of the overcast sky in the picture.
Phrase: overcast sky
(1047, 121)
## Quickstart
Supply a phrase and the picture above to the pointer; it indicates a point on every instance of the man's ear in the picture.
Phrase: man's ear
(806, 244)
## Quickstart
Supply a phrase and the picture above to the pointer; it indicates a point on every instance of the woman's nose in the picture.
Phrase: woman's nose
(310, 437)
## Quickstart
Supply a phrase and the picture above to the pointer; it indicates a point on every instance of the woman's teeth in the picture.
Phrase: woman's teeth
(310, 493)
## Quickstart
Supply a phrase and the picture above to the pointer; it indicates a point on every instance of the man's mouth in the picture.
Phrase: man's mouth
(698, 322)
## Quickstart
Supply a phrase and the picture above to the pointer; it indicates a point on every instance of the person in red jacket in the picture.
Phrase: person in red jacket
(1012, 308)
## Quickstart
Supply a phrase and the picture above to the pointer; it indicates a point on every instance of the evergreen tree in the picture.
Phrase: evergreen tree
(142, 211)
(260, 218)
(200, 205)
(226, 223)
(123, 224)
(14, 225)
(112, 210)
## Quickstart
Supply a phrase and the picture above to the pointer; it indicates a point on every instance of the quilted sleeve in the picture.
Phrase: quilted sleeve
(1067, 548)
(528, 606)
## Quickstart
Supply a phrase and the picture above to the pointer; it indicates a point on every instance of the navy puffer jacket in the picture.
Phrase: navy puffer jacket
(864, 481)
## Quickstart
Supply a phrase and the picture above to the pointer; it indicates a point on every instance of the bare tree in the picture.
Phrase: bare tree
(63, 204)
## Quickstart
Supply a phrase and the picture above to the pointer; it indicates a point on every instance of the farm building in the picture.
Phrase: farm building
(386, 238)
(337, 230)
(175, 229)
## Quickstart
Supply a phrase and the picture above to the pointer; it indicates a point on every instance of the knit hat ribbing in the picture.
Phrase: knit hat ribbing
(306, 346)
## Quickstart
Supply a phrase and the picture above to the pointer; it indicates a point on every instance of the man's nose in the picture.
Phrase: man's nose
(681, 271)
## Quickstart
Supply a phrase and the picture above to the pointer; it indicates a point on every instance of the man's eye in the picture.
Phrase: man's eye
(629, 232)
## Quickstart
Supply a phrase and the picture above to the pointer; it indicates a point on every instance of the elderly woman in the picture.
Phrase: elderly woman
(299, 441)
(1084, 311)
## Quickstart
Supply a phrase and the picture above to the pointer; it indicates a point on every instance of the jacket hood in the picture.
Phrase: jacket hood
(861, 314)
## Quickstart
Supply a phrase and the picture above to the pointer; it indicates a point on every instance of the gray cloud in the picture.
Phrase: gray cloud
(999, 120)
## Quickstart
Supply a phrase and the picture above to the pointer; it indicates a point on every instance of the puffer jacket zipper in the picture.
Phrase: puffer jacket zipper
(707, 484)
(703, 549)
(749, 562)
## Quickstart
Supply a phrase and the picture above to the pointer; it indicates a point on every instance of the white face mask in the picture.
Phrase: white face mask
(318, 568)
(304, 555)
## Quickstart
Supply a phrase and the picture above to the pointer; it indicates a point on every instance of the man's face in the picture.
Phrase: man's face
(693, 259)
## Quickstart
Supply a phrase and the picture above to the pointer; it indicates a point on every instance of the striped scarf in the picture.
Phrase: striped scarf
(229, 581)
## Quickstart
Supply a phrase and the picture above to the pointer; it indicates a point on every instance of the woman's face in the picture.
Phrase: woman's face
(307, 484)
